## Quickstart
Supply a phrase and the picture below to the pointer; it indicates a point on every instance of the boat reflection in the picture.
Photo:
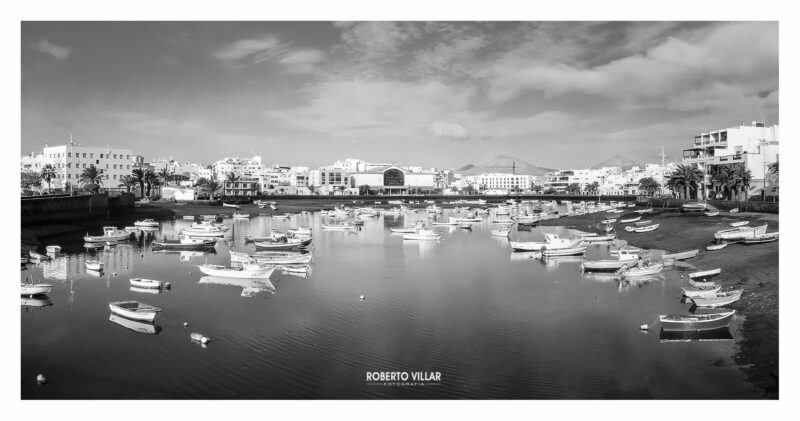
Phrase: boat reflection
(601, 276)
(250, 287)
(41, 301)
(553, 263)
(525, 256)
(639, 281)
(135, 325)
(96, 273)
(722, 334)
(146, 290)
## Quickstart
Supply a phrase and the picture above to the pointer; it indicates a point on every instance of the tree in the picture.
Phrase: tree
(550, 190)
(720, 178)
(91, 178)
(138, 176)
(772, 170)
(232, 178)
(363, 189)
(312, 189)
(127, 181)
(469, 189)
(48, 174)
(685, 178)
(537, 189)
(152, 181)
(30, 178)
(342, 189)
(740, 181)
(164, 175)
(649, 185)
(593, 187)
(574, 188)
(211, 186)
(281, 190)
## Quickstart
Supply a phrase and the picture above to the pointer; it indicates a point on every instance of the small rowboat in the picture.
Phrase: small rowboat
(719, 299)
(700, 291)
(185, 243)
(766, 238)
(631, 219)
(635, 271)
(574, 251)
(696, 322)
(644, 211)
(717, 247)
(741, 233)
(643, 223)
(712, 213)
(501, 221)
(609, 221)
(229, 205)
(31, 290)
(289, 245)
(188, 217)
(241, 215)
(683, 255)
(53, 249)
(599, 238)
(134, 310)
(739, 224)
(145, 283)
(734, 210)
(109, 234)
(94, 265)
(403, 230)
(502, 232)
(247, 270)
(295, 268)
(705, 273)
(272, 258)
(422, 234)
(700, 284)
(647, 228)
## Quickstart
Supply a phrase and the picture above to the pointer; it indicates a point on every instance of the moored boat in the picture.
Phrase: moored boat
(694, 207)
(237, 215)
(38, 257)
(696, 322)
(109, 234)
(248, 270)
(740, 233)
(230, 205)
(552, 242)
(134, 310)
(682, 255)
(700, 291)
(270, 258)
(712, 213)
(625, 257)
(739, 224)
(145, 283)
(53, 249)
(717, 247)
(146, 223)
(501, 232)
(32, 290)
(599, 238)
(94, 265)
(705, 273)
(766, 238)
(422, 234)
(185, 242)
(718, 299)
(341, 226)
(571, 251)
(647, 228)
(289, 244)
(643, 270)
(203, 230)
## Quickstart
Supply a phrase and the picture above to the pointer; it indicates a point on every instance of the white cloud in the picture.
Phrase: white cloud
(247, 52)
(449, 130)
(46, 47)
(301, 61)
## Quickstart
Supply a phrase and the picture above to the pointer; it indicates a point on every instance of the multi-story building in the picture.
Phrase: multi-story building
(244, 186)
(71, 159)
(755, 146)
(239, 166)
(392, 179)
(500, 181)
(327, 180)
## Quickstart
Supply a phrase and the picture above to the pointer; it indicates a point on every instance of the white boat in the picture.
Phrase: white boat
(740, 233)
(705, 273)
(599, 238)
(502, 232)
(552, 242)
(94, 265)
(341, 226)
(295, 268)
(712, 213)
(185, 243)
(571, 251)
(284, 216)
(734, 210)
(683, 255)
(134, 325)
(696, 322)
(228, 205)
(469, 219)
(450, 221)
(739, 224)
(188, 217)
(422, 234)
(766, 238)
(465, 225)
(527, 219)
(647, 228)
(629, 249)
(644, 211)
(146, 223)
(717, 247)
(270, 258)
(644, 270)
(248, 270)
(718, 300)
(287, 244)
(145, 283)
(625, 258)
(109, 234)
(31, 290)
(611, 221)
(700, 291)
(300, 230)
(134, 310)
(237, 215)
(403, 230)
(53, 249)
(203, 231)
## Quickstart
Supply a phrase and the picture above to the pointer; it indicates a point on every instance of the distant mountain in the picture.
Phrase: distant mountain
(504, 164)
(618, 161)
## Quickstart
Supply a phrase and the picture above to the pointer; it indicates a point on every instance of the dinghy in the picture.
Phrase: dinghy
(734, 210)
(134, 310)
(645, 270)
(145, 283)
(740, 233)
(403, 230)
(739, 224)
(32, 290)
(625, 257)
(705, 273)
(718, 300)
(646, 228)
(146, 223)
(717, 247)
(573, 251)
(229, 205)
(422, 234)
(696, 322)
(700, 291)
(270, 258)
(683, 255)
(237, 215)
(502, 232)
(766, 238)
(289, 244)
(694, 207)
(599, 238)
(248, 270)
(712, 213)
(185, 243)
(94, 265)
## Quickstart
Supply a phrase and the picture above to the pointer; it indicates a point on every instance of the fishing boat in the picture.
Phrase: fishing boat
(38, 257)
(295, 268)
(624, 258)
(53, 249)
(766, 238)
(682, 255)
(572, 251)
(526, 219)
(109, 234)
(717, 247)
(237, 215)
(696, 322)
(599, 238)
(699, 291)
(270, 258)
(647, 228)
(450, 221)
(645, 269)
(204, 230)
(718, 300)
(740, 233)
(94, 265)
(185, 243)
(290, 244)
(230, 205)
(739, 224)
(134, 310)
(134, 325)
(712, 213)
(146, 223)
(248, 270)
(694, 207)
(629, 249)
(145, 283)
(705, 273)
(32, 290)
(422, 234)
(299, 231)
(341, 226)
(552, 242)
(501, 232)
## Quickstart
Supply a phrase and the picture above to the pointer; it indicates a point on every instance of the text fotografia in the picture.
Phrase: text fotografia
(404, 378)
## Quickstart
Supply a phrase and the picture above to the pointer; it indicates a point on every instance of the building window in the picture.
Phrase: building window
(69, 154)
(115, 156)
(69, 175)
(115, 166)
(101, 155)
(84, 154)
(97, 161)
(91, 155)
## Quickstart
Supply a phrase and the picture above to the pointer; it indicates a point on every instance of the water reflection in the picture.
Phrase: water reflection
(250, 287)
(137, 326)
(42, 301)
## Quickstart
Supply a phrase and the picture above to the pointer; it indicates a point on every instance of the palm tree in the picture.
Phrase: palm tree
(139, 178)
(164, 175)
(685, 177)
(127, 181)
(537, 189)
(363, 190)
(550, 190)
(312, 189)
(469, 189)
(649, 185)
(740, 180)
(48, 174)
(91, 178)
(281, 190)
(152, 181)
(211, 186)
(231, 177)
(592, 187)
(773, 171)
(342, 189)
(574, 188)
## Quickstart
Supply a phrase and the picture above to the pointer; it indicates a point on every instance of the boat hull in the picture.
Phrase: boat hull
(34, 290)
(235, 273)
(147, 316)
(696, 323)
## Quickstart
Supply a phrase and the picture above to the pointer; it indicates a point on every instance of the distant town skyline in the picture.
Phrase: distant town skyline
(443, 94)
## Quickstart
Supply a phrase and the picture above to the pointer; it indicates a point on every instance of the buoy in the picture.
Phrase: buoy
(185, 324)
(40, 378)
(200, 338)
(204, 340)
(167, 285)
(115, 273)
(643, 327)
(362, 297)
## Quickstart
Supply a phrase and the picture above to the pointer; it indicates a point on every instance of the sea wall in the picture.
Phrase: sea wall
(723, 205)
(66, 208)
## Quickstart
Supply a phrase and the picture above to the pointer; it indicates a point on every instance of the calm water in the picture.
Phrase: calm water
(496, 325)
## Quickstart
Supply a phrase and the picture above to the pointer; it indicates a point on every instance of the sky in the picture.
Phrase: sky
(434, 94)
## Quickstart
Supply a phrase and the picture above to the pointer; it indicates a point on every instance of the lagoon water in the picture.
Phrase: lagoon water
(495, 324)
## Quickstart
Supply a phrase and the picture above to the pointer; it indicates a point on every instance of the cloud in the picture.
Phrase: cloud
(46, 47)
(379, 40)
(719, 69)
(301, 61)
(250, 51)
(449, 130)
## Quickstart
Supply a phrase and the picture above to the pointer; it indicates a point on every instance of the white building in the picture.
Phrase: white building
(240, 166)
(71, 159)
(328, 180)
(393, 180)
(502, 181)
(755, 146)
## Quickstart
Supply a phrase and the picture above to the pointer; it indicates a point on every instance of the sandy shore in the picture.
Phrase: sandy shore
(751, 267)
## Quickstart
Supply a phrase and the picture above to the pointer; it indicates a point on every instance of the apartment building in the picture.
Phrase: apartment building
(69, 161)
